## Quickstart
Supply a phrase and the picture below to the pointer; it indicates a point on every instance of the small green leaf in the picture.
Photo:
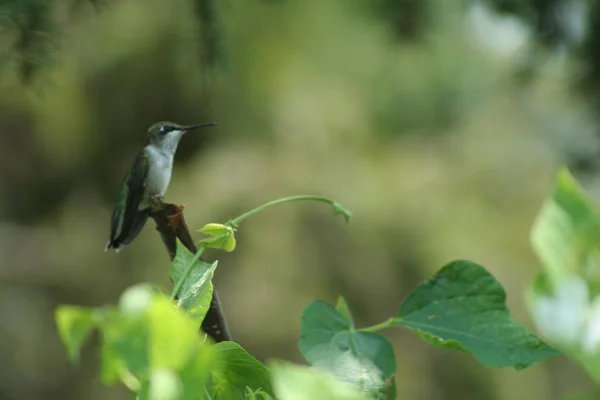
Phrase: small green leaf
(338, 209)
(220, 236)
(196, 292)
(342, 307)
(295, 382)
(74, 326)
(463, 306)
(235, 371)
(363, 359)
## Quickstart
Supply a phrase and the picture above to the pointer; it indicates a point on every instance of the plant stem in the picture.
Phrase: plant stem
(385, 324)
(337, 207)
(186, 273)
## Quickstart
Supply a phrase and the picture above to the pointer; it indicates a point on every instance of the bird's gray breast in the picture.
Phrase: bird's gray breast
(159, 172)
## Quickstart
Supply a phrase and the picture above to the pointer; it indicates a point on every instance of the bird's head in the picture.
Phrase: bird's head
(166, 135)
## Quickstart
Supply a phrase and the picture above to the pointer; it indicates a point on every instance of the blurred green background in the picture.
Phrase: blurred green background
(440, 124)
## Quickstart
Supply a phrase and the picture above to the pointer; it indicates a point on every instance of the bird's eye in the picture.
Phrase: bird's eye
(164, 129)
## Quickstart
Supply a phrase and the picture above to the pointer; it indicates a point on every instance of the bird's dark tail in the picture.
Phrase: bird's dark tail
(127, 235)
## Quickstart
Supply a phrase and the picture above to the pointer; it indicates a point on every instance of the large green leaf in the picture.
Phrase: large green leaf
(328, 341)
(463, 306)
(196, 292)
(234, 371)
(74, 326)
(295, 382)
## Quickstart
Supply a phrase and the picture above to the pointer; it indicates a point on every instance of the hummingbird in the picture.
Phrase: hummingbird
(147, 179)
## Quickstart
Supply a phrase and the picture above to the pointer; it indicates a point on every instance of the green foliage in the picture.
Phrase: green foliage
(342, 308)
(74, 326)
(220, 236)
(236, 372)
(294, 382)
(463, 306)
(194, 286)
(153, 345)
(338, 209)
(564, 299)
(330, 342)
(147, 343)
(565, 234)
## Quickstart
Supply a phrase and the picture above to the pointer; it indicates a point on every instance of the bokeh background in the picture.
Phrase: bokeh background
(439, 123)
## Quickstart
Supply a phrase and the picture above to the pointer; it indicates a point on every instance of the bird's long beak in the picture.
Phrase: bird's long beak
(192, 127)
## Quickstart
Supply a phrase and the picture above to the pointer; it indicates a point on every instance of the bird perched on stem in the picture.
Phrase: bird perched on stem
(146, 181)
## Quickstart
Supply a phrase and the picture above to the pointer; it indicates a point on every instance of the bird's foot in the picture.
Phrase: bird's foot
(156, 202)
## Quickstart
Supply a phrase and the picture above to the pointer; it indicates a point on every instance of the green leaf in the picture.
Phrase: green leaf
(342, 307)
(196, 292)
(74, 326)
(338, 209)
(363, 359)
(173, 336)
(295, 382)
(125, 353)
(565, 234)
(220, 236)
(463, 306)
(564, 299)
(148, 343)
(187, 384)
(234, 371)
(196, 374)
